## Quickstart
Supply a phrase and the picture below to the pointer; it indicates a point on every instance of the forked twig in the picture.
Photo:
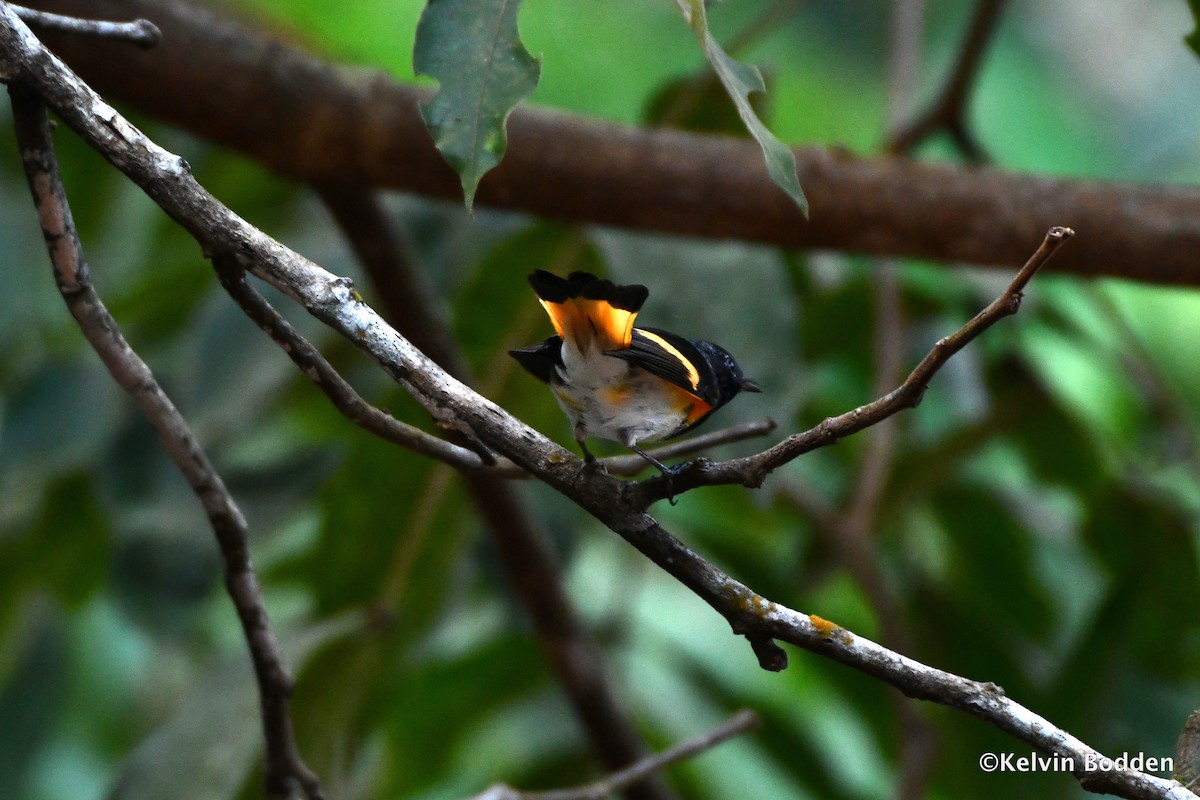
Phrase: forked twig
(948, 112)
(333, 385)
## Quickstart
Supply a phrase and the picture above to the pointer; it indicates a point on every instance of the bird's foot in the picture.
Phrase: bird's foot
(668, 473)
(590, 465)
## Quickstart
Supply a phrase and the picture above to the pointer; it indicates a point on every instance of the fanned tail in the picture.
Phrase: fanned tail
(589, 311)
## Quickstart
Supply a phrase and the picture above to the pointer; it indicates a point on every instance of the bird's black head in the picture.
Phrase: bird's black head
(727, 375)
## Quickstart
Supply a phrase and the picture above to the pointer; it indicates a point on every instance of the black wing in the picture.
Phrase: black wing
(672, 358)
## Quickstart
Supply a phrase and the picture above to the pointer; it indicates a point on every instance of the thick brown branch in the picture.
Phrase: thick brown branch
(317, 122)
(283, 767)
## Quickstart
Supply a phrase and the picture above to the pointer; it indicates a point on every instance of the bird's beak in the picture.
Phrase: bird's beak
(750, 386)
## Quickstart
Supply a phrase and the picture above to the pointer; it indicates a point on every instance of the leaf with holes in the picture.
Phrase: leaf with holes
(740, 81)
(473, 49)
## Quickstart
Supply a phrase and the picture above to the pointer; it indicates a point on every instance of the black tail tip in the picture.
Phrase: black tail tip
(554, 289)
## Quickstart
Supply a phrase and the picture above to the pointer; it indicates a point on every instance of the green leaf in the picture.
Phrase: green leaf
(473, 49)
(740, 81)
(697, 103)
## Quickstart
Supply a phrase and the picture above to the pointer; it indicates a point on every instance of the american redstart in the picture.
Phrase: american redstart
(618, 382)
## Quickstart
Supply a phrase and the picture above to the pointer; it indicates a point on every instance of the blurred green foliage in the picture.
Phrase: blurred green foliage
(1039, 527)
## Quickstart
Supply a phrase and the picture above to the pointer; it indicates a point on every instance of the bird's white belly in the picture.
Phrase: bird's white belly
(608, 398)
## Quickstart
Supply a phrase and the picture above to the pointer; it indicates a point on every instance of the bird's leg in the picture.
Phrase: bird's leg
(590, 462)
(667, 472)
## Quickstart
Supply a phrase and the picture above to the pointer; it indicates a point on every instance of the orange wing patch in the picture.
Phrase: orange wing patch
(693, 408)
(591, 322)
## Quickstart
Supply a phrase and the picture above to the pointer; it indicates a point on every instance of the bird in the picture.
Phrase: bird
(623, 383)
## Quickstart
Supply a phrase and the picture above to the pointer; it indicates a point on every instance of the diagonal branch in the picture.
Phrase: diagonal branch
(752, 470)
(166, 180)
(284, 765)
(763, 622)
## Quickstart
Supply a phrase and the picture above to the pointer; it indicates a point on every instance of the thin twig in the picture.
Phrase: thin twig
(284, 765)
(741, 722)
(905, 42)
(165, 179)
(874, 467)
(857, 517)
(141, 32)
(336, 388)
(948, 112)
(752, 470)
(633, 464)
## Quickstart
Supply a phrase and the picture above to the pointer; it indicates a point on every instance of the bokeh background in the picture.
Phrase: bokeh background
(1039, 526)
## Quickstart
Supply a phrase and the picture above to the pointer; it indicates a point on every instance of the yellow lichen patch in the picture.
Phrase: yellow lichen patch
(762, 605)
(824, 627)
(755, 604)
